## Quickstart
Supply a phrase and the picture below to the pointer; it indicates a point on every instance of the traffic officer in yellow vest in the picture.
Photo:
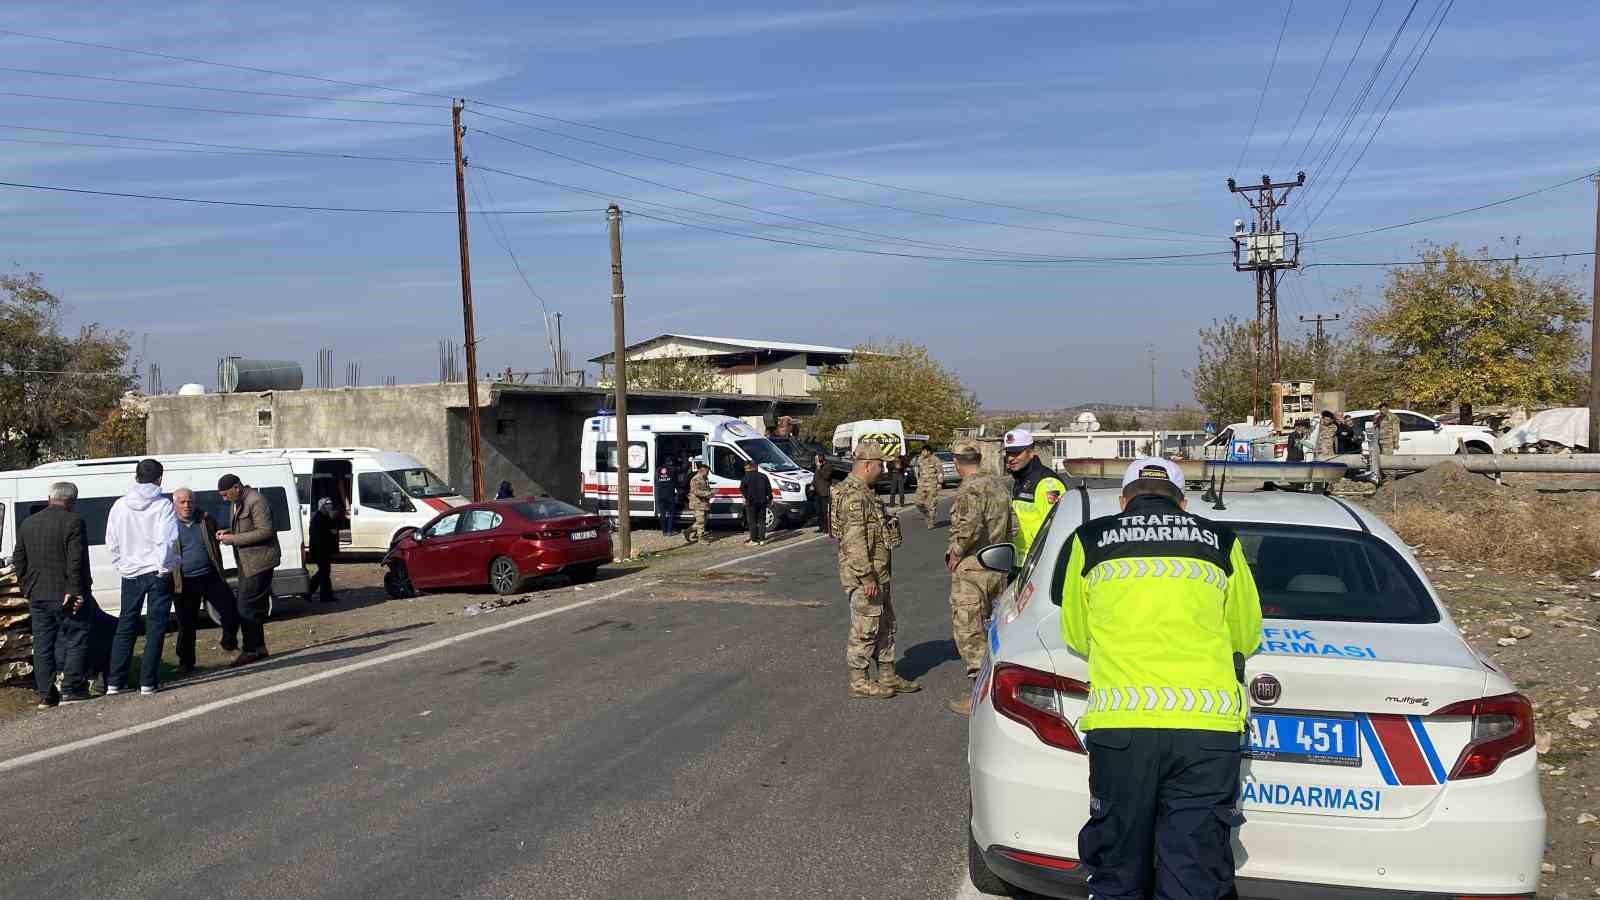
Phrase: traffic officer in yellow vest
(1162, 604)
(1034, 488)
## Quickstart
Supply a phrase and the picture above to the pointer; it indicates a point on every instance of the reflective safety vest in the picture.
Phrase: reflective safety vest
(1163, 605)
(1034, 490)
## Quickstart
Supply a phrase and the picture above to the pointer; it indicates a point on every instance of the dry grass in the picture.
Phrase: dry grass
(1549, 535)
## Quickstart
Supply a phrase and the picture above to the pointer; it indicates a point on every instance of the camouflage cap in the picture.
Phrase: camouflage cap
(968, 453)
(867, 451)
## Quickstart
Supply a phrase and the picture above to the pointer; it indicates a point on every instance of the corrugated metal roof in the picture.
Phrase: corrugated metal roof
(736, 344)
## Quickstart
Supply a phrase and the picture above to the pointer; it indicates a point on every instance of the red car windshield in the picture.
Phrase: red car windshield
(540, 510)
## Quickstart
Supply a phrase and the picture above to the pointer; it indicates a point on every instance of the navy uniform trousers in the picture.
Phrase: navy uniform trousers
(1163, 806)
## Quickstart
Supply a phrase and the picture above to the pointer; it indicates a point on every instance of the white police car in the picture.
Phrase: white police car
(1387, 759)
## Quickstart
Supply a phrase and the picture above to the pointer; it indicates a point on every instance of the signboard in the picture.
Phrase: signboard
(1241, 451)
(1210, 427)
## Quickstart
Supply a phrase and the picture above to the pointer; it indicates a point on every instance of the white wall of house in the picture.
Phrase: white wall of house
(1063, 445)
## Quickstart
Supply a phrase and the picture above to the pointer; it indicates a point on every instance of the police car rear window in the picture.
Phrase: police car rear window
(1333, 576)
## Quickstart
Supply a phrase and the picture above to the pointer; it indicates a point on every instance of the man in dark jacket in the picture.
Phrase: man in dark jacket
(822, 490)
(52, 564)
(667, 500)
(757, 491)
(197, 579)
(254, 540)
(323, 546)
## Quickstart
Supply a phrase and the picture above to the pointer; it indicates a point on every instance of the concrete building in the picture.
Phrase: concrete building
(771, 368)
(529, 433)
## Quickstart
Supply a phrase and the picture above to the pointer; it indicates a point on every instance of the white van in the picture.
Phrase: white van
(101, 481)
(379, 495)
(889, 434)
(725, 443)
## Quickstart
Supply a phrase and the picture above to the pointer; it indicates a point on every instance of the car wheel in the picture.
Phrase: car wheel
(397, 582)
(504, 576)
(774, 521)
(583, 574)
(978, 870)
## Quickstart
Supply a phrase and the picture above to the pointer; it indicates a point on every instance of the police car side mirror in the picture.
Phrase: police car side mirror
(998, 557)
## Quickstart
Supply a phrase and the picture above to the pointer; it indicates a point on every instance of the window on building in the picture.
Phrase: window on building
(1127, 449)
(1061, 447)
(264, 417)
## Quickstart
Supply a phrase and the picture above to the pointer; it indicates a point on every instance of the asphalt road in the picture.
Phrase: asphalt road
(677, 735)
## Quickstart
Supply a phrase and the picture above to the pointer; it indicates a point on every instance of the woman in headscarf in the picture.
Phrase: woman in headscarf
(324, 545)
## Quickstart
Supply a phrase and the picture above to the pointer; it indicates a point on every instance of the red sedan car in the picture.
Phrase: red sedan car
(503, 544)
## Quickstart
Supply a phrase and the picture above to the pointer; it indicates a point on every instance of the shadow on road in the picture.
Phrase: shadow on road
(925, 657)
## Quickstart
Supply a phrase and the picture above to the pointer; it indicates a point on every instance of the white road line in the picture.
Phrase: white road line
(787, 545)
(83, 744)
(204, 708)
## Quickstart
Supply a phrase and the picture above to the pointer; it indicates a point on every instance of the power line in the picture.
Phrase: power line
(1261, 101)
(202, 87)
(751, 208)
(208, 62)
(836, 248)
(821, 174)
(498, 232)
(1313, 91)
(1460, 212)
(348, 209)
(1325, 159)
(1445, 7)
(271, 151)
(1428, 262)
(227, 112)
(1327, 108)
(774, 184)
(679, 209)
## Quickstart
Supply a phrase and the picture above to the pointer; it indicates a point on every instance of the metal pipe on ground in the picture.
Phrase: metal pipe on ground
(1485, 464)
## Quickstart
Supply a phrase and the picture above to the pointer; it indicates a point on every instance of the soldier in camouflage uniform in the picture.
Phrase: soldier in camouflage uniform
(1388, 425)
(699, 503)
(866, 534)
(930, 477)
(981, 516)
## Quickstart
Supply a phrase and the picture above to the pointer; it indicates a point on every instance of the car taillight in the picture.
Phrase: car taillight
(1036, 699)
(1502, 727)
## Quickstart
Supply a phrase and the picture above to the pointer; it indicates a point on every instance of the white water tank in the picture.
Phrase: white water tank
(191, 390)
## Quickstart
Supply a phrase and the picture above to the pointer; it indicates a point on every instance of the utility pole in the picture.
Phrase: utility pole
(561, 355)
(1265, 250)
(619, 362)
(1594, 333)
(466, 307)
(1322, 342)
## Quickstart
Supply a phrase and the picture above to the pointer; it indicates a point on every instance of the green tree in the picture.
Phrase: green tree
(691, 374)
(1457, 331)
(121, 433)
(1225, 371)
(54, 389)
(895, 381)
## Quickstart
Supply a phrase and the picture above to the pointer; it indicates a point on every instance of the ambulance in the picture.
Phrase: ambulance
(685, 438)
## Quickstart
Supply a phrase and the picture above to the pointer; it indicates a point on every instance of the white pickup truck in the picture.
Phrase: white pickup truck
(1421, 434)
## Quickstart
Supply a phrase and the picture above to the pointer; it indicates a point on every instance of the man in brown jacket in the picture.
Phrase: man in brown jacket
(255, 548)
(197, 578)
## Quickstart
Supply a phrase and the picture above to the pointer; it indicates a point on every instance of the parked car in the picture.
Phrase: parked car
(1422, 434)
(947, 462)
(1386, 758)
(503, 543)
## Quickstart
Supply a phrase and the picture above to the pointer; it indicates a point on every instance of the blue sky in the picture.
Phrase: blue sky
(1134, 112)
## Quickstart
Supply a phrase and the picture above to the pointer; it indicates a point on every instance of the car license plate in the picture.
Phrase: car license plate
(585, 535)
(1323, 740)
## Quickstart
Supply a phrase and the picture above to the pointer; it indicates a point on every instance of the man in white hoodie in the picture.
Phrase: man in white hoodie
(142, 537)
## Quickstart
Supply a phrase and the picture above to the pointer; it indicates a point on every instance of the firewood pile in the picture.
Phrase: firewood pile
(16, 636)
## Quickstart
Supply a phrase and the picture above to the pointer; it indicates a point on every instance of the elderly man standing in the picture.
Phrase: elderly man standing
(323, 546)
(197, 579)
(867, 534)
(142, 538)
(981, 516)
(52, 564)
(255, 547)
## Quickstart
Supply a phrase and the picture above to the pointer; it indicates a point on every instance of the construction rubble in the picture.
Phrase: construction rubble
(16, 634)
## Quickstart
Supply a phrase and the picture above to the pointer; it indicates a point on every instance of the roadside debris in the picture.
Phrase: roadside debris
(473, 609)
